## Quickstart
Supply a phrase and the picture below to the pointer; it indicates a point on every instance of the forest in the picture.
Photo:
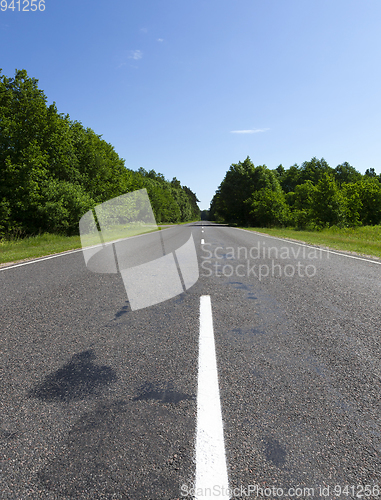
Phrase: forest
(310, 196)
(53, 169)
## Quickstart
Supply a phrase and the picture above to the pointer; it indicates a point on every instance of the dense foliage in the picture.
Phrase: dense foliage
(312, 195)
(52, 169)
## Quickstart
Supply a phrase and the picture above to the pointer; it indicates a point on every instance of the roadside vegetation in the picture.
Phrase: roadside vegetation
(364, 240)
(16, 249)
(53, 170)
(336, 207)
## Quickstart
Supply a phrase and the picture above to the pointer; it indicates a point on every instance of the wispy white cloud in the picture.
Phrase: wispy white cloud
(250, 131)
(135, 54)
(160, 40)
(128, 58)
(144, 30)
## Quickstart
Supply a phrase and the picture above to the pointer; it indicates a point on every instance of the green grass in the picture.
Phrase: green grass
(19, 249)
(365, 240)
(15, 250)
(362, 240)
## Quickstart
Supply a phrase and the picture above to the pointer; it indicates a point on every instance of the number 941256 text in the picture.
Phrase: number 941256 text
(23, 5)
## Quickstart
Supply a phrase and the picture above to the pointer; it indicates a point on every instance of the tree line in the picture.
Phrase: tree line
(310, 196)
(53, 169)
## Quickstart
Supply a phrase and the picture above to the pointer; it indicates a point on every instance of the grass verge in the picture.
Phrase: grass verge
(36, 246)
(365, 240)
(19, 249)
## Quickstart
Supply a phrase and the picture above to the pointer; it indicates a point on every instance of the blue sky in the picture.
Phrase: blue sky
(189, 87)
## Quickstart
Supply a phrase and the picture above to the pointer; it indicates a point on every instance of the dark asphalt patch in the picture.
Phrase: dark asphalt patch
(167, 395)
(274, 452)
(109, 454)
(78, 379)
(238, 285)
(122, 311)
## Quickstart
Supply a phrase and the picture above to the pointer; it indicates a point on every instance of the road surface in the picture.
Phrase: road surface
(98, 401)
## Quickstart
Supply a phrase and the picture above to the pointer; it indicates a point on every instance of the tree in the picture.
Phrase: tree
(60, 207)
(22, 161)
(236, 199)
(370, 196)
(301, 205)
(327, 209)
(193, 200)
(314, 170)
(352, 204)
(235, 189)
(345, 173)
(217, 208)
(163, 204)
(280, 172)
(370, 172)
(290, 179)
(268, 208)
(52, 169)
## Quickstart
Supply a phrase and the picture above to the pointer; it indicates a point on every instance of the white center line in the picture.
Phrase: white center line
(202, 241)
(211, 471)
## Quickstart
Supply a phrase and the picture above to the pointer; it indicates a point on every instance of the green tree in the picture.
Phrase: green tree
(268, 208)
(61, 205)
(352, 204)
(345, 173)
(314, 170)
(163, 204)
(235, 189)
(370, 172)
(217, 207)
(290, 178)
(22, 161)
(101, 171)
(52, 169)
(236, 199)
(193, 200)
(301, 204)
(370, 196)
(327, 205)
(182, 200)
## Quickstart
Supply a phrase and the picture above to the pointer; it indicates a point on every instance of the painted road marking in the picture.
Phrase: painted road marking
(40, 259)
(211, 471)
(292, 242)
(202, 241)
(62, 254)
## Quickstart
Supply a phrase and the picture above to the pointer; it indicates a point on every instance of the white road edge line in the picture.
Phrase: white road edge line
(67, 252)
(61, 254)
(211, 470)
(309, 246)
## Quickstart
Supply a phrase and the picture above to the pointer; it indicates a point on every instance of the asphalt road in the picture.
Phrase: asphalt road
(100, 402)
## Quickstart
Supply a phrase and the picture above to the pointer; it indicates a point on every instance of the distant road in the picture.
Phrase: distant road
(98, 401)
